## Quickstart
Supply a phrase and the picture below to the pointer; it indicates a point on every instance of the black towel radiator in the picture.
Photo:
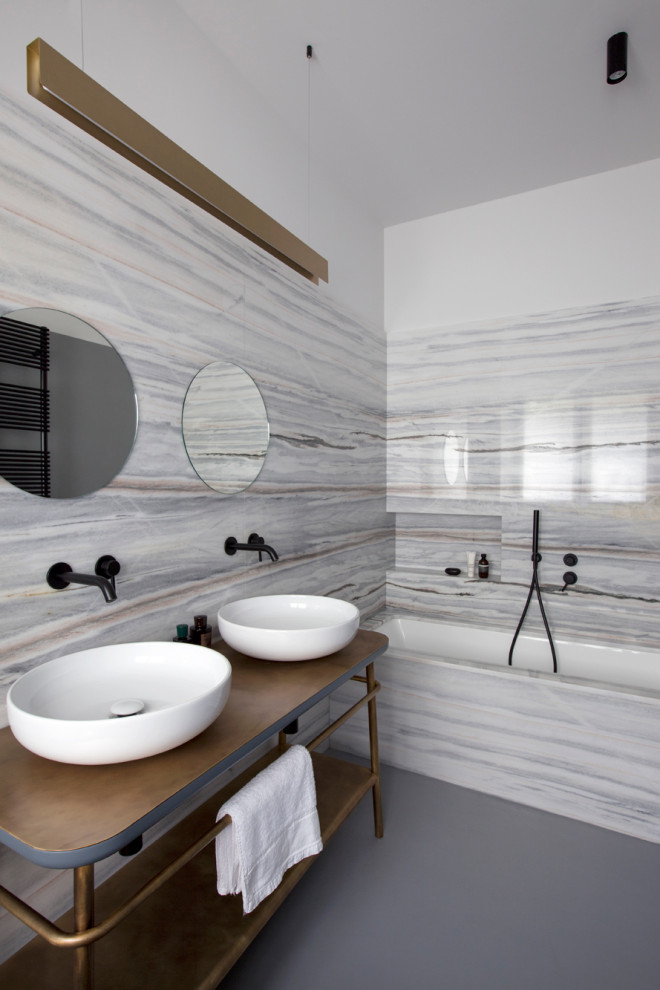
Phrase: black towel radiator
(25, 407)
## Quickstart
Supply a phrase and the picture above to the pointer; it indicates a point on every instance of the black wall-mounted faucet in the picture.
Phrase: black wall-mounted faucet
(61, 575)
(255, 542)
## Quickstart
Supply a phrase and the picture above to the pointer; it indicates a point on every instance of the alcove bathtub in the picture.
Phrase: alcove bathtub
(584, 742)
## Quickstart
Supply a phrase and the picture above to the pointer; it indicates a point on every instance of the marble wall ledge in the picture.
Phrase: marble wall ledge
(616, 597)
(594, 618)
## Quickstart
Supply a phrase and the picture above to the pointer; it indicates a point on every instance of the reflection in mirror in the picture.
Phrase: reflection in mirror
(225, 427)
(68, 411)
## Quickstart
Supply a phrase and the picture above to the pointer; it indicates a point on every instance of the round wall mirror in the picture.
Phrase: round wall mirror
(68, 411)
(225, 427)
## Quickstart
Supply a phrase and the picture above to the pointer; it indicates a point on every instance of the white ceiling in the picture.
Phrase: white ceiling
(423, 106)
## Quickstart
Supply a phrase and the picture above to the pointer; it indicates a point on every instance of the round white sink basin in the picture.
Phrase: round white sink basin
(288, 627)
(117, 703)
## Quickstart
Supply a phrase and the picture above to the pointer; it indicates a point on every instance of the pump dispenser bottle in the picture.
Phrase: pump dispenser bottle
(201, 632)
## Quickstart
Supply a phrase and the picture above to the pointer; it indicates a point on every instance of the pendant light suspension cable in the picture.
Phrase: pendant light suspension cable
(82, 38)
(310, 55)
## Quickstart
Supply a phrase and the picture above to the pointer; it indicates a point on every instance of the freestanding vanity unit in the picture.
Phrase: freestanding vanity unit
(158, 921)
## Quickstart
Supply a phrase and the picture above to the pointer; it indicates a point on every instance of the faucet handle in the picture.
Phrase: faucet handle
(107, 566)
(258, 541)
(570, 577)
(254, 538)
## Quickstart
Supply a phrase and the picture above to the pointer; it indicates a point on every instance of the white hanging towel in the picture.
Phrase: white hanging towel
(274, 824)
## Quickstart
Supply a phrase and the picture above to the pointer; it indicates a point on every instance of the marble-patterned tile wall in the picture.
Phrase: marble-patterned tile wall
(489, 421)
(172, 289)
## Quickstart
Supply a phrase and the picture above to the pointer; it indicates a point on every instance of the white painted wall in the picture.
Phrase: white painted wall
(585, 242)
(154, 58)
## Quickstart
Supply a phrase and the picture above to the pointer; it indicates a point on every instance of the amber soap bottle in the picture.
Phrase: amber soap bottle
(201, 632)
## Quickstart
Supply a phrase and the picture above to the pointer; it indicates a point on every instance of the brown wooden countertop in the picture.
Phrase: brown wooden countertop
(63, 815)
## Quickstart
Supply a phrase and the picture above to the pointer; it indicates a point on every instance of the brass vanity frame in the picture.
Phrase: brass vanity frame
(350, 781)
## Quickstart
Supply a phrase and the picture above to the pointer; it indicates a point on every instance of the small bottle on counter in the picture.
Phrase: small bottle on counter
(201, 633)
(181, 633)
(482, 566)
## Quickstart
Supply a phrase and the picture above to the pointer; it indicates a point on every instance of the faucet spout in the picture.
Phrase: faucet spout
(254, 542)
(96, 581)
(61, 575)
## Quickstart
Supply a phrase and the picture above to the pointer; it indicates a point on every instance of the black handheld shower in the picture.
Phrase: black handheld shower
(534, 586)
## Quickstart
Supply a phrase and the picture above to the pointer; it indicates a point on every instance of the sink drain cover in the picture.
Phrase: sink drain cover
(126, 706)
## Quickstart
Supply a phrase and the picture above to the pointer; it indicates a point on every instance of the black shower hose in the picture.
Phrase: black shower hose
(534, 586)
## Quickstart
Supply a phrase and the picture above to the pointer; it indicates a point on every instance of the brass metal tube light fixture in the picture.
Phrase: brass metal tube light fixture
(62, 86)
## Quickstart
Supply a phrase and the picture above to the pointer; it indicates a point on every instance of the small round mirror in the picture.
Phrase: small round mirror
(225, 427)
(68, 411)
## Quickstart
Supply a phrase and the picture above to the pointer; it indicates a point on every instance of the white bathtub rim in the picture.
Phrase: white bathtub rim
(380, 622)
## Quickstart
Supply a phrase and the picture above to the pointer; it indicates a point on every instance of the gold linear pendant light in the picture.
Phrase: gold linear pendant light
(65, 88)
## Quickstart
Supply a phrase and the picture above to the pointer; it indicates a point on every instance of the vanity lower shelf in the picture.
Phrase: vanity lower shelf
(184, 937)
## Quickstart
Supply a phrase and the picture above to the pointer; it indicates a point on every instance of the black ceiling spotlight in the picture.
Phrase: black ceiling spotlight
(617, 58)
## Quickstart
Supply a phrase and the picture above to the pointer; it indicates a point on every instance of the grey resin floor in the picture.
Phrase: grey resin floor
(464, 892)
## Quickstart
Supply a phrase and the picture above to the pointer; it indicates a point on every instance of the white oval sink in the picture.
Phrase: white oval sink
(71, 709)
(288, 627)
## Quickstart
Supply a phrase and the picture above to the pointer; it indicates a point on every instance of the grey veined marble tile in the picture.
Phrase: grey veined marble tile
(559, 407)
(174, 290)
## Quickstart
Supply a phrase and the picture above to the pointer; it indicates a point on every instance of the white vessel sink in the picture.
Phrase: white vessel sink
(69, 709)
(288, 627)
